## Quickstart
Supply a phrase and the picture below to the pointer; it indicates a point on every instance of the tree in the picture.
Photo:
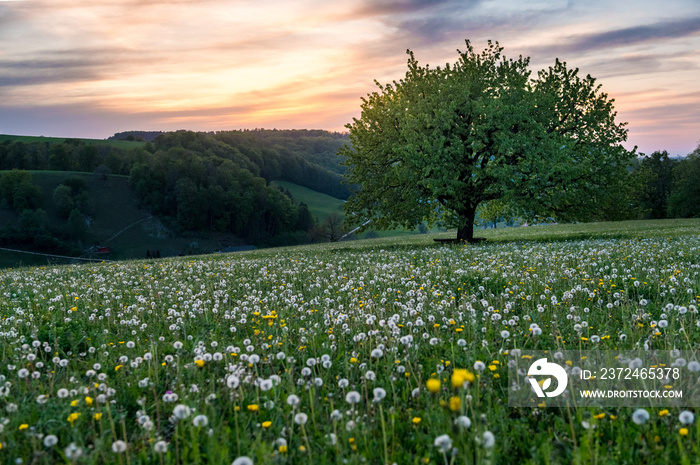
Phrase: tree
(17, 189)
(331, 228)
(77, 228)
(658, 169)
(440, 142)
(684, 200)
(63, 200)
(493, 211)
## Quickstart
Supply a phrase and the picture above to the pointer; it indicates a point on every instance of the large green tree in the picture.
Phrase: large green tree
(440, 142)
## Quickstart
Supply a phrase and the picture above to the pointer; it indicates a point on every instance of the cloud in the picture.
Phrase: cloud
(675, 29)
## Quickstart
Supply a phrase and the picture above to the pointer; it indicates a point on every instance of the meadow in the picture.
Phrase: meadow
(391, 350)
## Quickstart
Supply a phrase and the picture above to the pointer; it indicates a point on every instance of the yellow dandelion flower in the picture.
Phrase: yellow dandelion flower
(266, 424)
(433, 385)
(416, 420)
(23, 426)
(455, 403)
(199, 363)
(683, 431)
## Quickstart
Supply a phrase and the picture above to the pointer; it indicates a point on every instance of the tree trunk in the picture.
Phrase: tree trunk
(465, 232)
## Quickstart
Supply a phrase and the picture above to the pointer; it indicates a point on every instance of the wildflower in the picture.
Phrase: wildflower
(50, 440)
(416, 420)
(97, 416)
(377, 353)
(72, 417)
(332, 439)
(461, 376)
(293, 401)
(232, 381)
(88, 400)
(181, 411)
(300, 418)
(444, 442)
(265, 385)
(23, 426)
(352, 397)
(433, 385)
(479, 366)
(73, 452)
(118, 447)
(686, 417)
(663, 413)
(200, 421)
(463, 421)
(379, 394)
(683, 431)
(489, 439)
(243, 460)
(160, 447)
(640, 416)
(199, 363)
(455, 403)
(266, 424)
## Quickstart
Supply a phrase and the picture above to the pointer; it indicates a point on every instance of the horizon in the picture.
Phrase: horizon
(90, 71)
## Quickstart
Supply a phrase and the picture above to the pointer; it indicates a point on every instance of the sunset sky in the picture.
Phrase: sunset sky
(89, 69)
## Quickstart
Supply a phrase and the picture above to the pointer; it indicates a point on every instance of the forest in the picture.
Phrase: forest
(217, 182)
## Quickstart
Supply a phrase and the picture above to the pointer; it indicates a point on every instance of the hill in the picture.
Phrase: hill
(321, 205)
(113, 218)
(125, 144)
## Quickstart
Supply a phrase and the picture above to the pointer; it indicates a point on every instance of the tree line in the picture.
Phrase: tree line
(200, 181)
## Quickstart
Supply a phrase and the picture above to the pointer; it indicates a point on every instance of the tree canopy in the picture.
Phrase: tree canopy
(439, 142)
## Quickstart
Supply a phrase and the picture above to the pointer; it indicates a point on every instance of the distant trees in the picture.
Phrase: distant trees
(215, 194)
(684, 198)
(18, 191)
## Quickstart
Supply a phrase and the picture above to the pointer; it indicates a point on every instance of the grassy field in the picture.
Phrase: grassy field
(391, 350)
(320, 205)
(57, 140)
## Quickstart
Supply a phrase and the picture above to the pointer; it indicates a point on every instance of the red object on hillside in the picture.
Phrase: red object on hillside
(102, 250)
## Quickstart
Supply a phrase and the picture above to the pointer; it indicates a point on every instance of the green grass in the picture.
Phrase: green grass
(57, 140)
(321, 205)
(115, 342)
